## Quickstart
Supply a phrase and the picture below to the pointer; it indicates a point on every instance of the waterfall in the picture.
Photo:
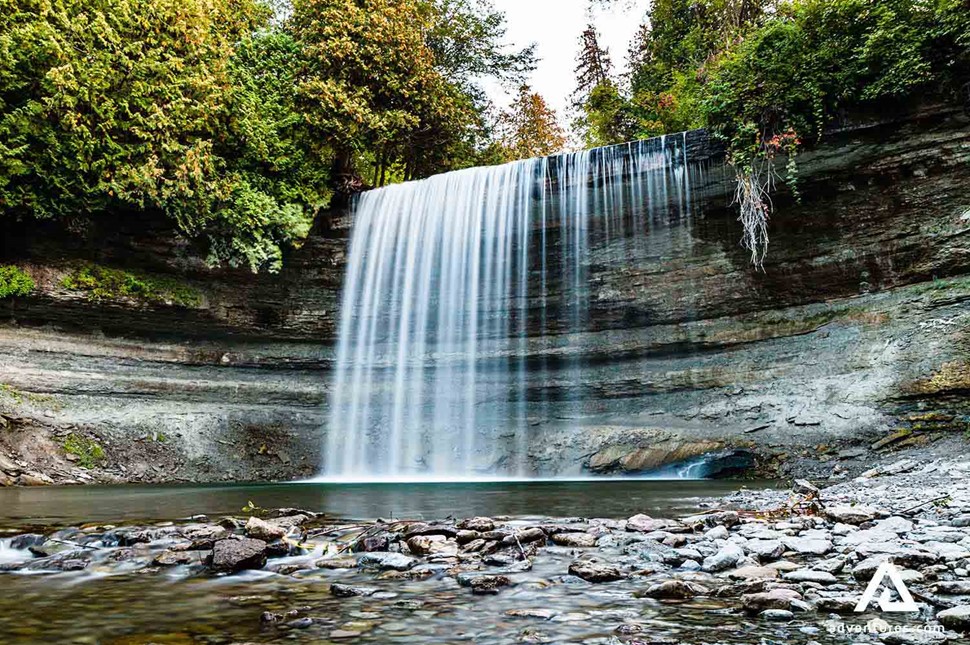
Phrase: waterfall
(451, 278)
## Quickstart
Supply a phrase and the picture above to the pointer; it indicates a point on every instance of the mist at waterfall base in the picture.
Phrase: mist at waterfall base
(451, 278)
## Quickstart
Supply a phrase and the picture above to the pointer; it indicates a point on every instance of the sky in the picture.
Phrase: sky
(555, 26)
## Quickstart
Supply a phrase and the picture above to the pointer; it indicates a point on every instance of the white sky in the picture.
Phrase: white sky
(555, 26)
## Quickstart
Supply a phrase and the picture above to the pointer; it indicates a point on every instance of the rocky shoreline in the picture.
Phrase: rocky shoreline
(788, 564)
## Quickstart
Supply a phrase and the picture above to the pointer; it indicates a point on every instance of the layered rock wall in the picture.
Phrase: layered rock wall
(854, 331)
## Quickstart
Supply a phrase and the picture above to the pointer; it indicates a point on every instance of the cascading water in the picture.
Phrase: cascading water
(451, 277)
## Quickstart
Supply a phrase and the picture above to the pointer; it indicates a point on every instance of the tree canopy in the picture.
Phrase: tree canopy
(237, 122)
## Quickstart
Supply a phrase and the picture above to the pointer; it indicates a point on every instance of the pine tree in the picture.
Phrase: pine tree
(530, 128)
(593, 65)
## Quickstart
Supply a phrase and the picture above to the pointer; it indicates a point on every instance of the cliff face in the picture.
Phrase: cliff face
(855, 330)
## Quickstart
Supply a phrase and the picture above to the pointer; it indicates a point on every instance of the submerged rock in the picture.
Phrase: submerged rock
(483, 583)
(348, 591)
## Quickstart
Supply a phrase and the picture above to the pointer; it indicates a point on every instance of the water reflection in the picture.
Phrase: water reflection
(605, 498)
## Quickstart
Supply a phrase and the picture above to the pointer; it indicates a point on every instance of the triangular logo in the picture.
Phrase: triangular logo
(906, 602)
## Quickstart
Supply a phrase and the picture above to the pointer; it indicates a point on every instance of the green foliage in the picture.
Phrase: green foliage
(89, 452)
(231, 123)
(103, 283)
(14, 281)
(529, 129)
(817, 58)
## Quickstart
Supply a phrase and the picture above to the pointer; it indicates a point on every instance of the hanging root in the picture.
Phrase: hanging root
(754, 183)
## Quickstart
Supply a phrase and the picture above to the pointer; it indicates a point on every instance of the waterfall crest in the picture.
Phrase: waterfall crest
(448, 280)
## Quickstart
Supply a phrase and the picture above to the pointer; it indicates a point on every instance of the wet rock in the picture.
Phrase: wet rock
(595, 570)
(26, 540)
(177, 558)
(653, 551)
(779, 615)
(717, 533)
(300, 623)
(524, 536)
(480, 524)
(961, 521)
(773, 599)
(422, 544)
(946, 551)
(262, 530)
(765, 550)
(466, 536)
(953, 588)
(710, 520)
(386, 561)
(238, 554)
(753, 573)
(726, 558)
(837, 604)
(204, 537)
(482, 583)
(373, 543)
(336, 563)
(805, 487)
(808, 575)
(646, 524)
(537, 612)
(831, 565)
(957, 618)
(913, 637)
(577, 540)
(420, 528)
(808, 546)
(851, 514)
(784, 565)
(348, 591)
(675, 590)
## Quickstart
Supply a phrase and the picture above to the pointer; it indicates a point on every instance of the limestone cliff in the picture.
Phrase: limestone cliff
(854, 331)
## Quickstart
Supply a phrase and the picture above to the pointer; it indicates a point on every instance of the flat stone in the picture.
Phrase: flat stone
(808, 575)
(784, 565)
(953, 588)
(180, 558)
(913, 637)
(809, 546)
(336, 563)
(578, 540)
(773, 599)
(386, 561)
(531, 612)
(348, 591)
(675, 590)
(753, 573)
(595, 571)
(779, 615)
(851, 514)
(420, 528)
